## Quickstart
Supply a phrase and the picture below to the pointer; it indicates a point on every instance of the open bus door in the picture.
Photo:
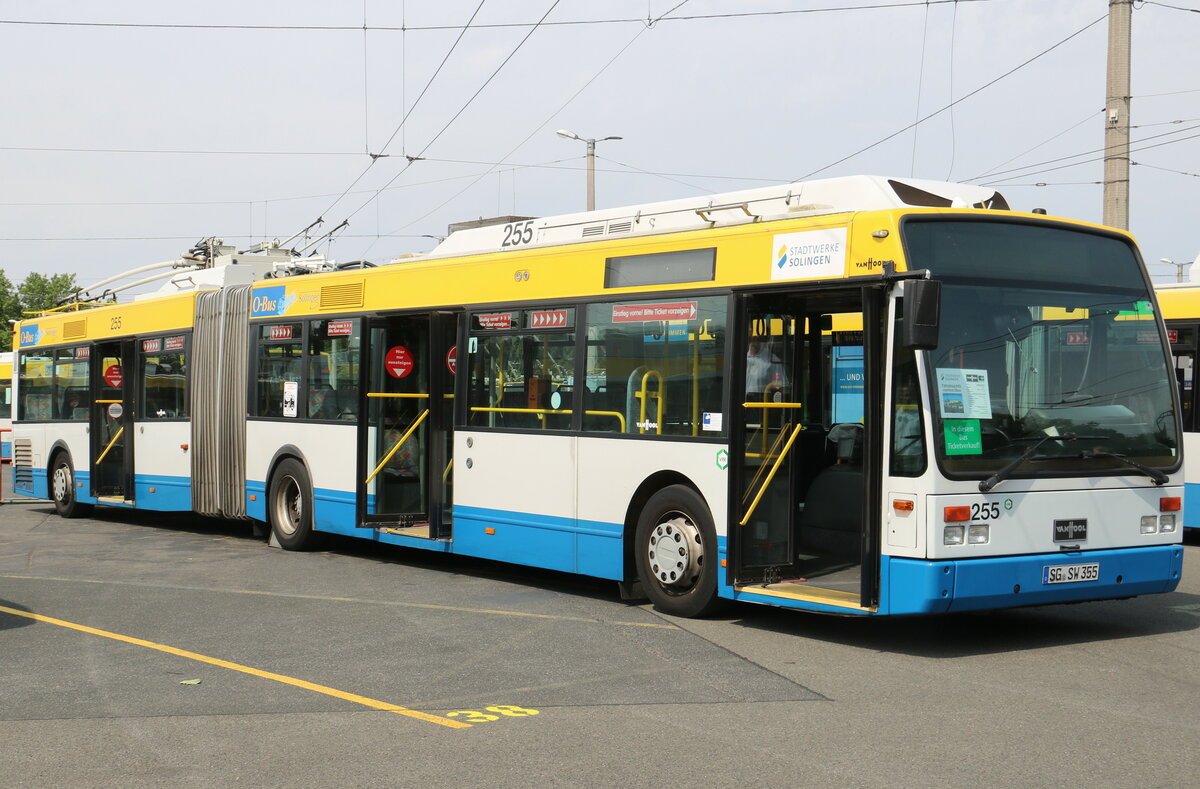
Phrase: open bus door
(405, 441)
(110, 419)
(805, 444)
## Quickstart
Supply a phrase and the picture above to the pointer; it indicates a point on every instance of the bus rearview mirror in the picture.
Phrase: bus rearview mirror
(922, 314)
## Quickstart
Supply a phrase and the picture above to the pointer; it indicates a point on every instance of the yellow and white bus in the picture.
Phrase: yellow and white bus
(6, 374)
(1180, 304)
(856, 396)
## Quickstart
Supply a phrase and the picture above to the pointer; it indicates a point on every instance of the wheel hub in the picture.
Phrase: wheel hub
(62, 483)
(675, 551)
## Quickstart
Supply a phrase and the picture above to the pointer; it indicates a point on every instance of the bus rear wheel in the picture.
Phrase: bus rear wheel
(290, 506)
(62, 488)
(676, 552)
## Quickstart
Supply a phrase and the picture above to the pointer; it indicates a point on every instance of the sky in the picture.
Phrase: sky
(126, 140)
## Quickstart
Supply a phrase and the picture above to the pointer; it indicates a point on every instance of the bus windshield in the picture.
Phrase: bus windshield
(1049, 348)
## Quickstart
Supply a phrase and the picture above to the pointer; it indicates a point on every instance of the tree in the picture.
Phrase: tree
(10, 309)
(36, 293)
(39, 292)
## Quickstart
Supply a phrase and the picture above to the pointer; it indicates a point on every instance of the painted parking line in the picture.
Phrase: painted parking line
(299, 683)
(364, 601)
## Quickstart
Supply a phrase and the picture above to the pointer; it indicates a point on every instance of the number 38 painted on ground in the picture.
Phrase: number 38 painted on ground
(474, 716)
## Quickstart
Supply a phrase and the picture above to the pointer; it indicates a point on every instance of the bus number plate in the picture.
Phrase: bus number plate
(1070, 573)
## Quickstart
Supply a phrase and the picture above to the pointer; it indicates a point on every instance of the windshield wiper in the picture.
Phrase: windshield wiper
(1028, 455)
(1153, 473)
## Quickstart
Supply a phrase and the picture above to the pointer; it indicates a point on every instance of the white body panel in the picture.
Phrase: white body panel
(43, 436)
(329, 450)
(1191, 469)
(516, 472)
(158, 449)
(610, 471)
(1113, 507)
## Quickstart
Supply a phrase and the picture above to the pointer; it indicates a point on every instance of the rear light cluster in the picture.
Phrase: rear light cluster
(1167, 521)
(957, 531)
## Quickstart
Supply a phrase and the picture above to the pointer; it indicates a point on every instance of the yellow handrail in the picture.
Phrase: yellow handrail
(644, 395)
(762, 467)
(110, 444)
(412, 395)
(766, 484)
(412, 428)
(108, 402)
(620, 417)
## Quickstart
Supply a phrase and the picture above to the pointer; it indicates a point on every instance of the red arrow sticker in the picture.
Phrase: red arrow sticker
(549, 319)
(112, 376)
(452, 360)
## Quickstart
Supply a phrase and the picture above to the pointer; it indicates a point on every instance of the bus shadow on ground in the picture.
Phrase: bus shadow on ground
(485, 569)
(987, 632)
(12, 621)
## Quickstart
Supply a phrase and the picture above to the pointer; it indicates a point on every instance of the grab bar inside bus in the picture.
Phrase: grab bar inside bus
(767, 483)
(411, 429)
(766, 408)
(645, 394)
(110, 445)
(541, 413)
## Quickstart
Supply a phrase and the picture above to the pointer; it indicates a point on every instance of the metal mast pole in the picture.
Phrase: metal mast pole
(1116, 125)
(591, 175)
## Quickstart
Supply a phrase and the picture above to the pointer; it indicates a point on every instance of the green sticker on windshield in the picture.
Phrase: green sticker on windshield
(963, 436)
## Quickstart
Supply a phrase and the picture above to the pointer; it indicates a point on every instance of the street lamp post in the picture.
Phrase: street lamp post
(591, 162)
(1179, 266)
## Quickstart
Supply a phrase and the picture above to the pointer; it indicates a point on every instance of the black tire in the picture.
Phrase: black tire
(62, 488)
(290, 507)
(675, 548)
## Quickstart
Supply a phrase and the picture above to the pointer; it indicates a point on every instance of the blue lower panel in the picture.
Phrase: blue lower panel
(256, 499)
(1191, 505)
(586, 547)
(162, 494)
(919, 587)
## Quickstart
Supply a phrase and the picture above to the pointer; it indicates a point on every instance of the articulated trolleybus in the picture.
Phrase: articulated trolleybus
(853, 396)
(1180, 304)
(6, 368)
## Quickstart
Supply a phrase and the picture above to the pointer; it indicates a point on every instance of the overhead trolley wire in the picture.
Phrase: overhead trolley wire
(456, 115)
(934, 114)
(528, 137)
(1083, 153)
(382, 151)
(1096, 159)
(492, 25)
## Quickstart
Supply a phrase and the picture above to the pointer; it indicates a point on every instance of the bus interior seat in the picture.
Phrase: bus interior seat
(831, 522)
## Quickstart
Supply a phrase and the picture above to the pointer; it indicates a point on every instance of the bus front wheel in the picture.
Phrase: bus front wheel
(62, 488)
(676, 552)
(290, 506)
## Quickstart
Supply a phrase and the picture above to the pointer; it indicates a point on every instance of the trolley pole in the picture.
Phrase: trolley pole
(1116, 116)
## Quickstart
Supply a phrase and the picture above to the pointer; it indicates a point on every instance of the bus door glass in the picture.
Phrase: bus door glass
(798, 511)
(406, 474)
(114, 374)
(1183, 349)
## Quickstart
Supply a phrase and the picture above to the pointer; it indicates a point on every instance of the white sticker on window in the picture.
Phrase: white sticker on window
(712, 421)
(964, 394)
(291, 389)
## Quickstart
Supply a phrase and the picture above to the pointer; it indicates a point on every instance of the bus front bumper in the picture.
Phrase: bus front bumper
(924, 587)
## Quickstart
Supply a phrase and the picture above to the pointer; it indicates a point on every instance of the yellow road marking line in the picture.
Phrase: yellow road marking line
(398, 604)
(299, 683)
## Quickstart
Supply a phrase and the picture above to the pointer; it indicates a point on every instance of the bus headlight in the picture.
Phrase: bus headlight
(1150, 524)
(1166, 523)
(952, 534)
(977, 534)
